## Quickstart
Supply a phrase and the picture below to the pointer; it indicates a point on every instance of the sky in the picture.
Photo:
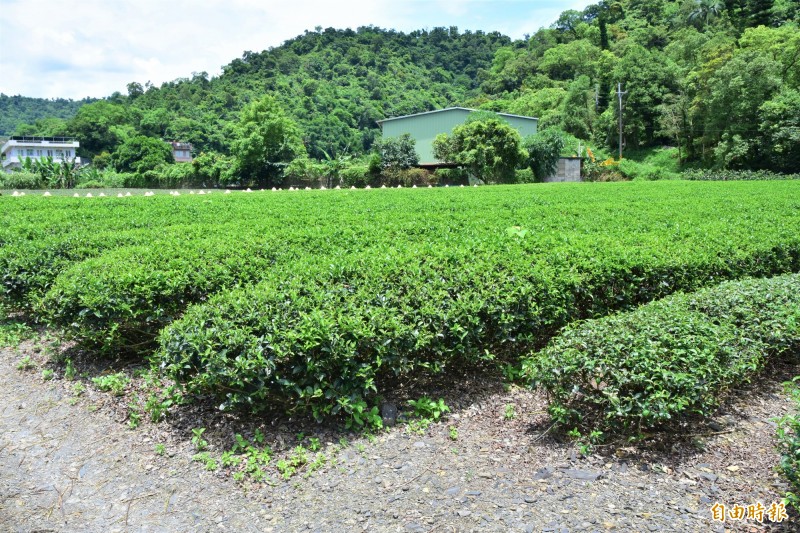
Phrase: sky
(91, 48)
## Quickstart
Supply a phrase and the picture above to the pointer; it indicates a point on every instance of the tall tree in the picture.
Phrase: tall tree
(578, 109)
(780, 126)
(398, 152)
(265, 141)
(704, 11)
(487, 147)
(759, 12)
(738, 89)
(648, 76)
(140, 154)
(100, 126)
(674, 121)
(544, 151)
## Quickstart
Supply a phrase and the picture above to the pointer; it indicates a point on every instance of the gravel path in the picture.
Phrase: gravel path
(71, 465)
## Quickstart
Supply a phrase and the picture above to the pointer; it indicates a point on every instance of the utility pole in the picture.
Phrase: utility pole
(619, 95)
(596, 96)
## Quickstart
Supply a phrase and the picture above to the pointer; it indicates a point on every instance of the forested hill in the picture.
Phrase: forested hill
(16, 110)
(719, 79)
(335, 83)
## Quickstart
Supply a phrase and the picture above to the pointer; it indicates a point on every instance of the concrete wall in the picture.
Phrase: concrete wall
(569, 169)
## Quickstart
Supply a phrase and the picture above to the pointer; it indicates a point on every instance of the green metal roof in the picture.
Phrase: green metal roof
(452, 108)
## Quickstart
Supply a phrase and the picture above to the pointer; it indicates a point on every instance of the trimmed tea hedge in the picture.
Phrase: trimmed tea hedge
(789, 446)
(736, 175)
(313, 299)
(122, 298)
(29, 267)
(633, 371)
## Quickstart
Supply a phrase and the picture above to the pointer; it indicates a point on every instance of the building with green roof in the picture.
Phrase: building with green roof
(424, 127)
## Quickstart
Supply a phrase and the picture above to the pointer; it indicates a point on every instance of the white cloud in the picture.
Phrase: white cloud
(538, 15)
(455, 7)
(53, 48)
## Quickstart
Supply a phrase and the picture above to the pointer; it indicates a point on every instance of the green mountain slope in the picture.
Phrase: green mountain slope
(19, 110)
(335, 83)
(719, 80)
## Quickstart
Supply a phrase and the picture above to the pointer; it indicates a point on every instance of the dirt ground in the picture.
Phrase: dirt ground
(71, 463)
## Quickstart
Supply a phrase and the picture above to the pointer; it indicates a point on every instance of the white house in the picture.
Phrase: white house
(17, 149)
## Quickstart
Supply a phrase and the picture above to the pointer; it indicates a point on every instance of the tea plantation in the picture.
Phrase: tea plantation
(313, 300)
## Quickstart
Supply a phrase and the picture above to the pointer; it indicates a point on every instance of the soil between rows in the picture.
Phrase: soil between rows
(71, 464)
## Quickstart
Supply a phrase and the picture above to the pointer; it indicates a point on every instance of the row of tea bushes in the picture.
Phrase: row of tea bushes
(736, 175)
(634, 371)
(121, 299)
(42, 239)
(312, 301)
(329, 338)
(29, 267)
(788, 433)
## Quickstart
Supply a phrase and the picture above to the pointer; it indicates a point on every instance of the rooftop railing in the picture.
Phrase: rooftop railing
(36, 139)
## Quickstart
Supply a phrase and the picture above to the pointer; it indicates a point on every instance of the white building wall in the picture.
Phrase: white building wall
(16, 150)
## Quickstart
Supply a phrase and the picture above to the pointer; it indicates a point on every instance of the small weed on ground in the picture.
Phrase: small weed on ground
(113, 383)
(26, 363)
(210, 463)
(69, 370)
(198, 441)
(134, 414)
(428, 408)
(510, 412)
(425, 412)
(13, 332)
(157, 405)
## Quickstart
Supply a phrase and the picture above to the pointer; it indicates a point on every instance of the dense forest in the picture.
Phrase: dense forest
(335, 83)
(718, 80)
(18, 110)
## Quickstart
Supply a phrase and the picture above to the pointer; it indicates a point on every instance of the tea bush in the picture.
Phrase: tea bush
(30, 267)
(736, 175)
(789, 446)
(346, 323)
(315, 300)
(124, 297)
(633, 371)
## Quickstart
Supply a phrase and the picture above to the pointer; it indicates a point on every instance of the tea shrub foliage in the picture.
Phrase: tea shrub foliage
(634, 371)
(313, 300)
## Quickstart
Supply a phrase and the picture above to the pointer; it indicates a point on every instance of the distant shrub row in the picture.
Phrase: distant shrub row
(673, 358)
(644, 171)
(188, 175)
(736, 175)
